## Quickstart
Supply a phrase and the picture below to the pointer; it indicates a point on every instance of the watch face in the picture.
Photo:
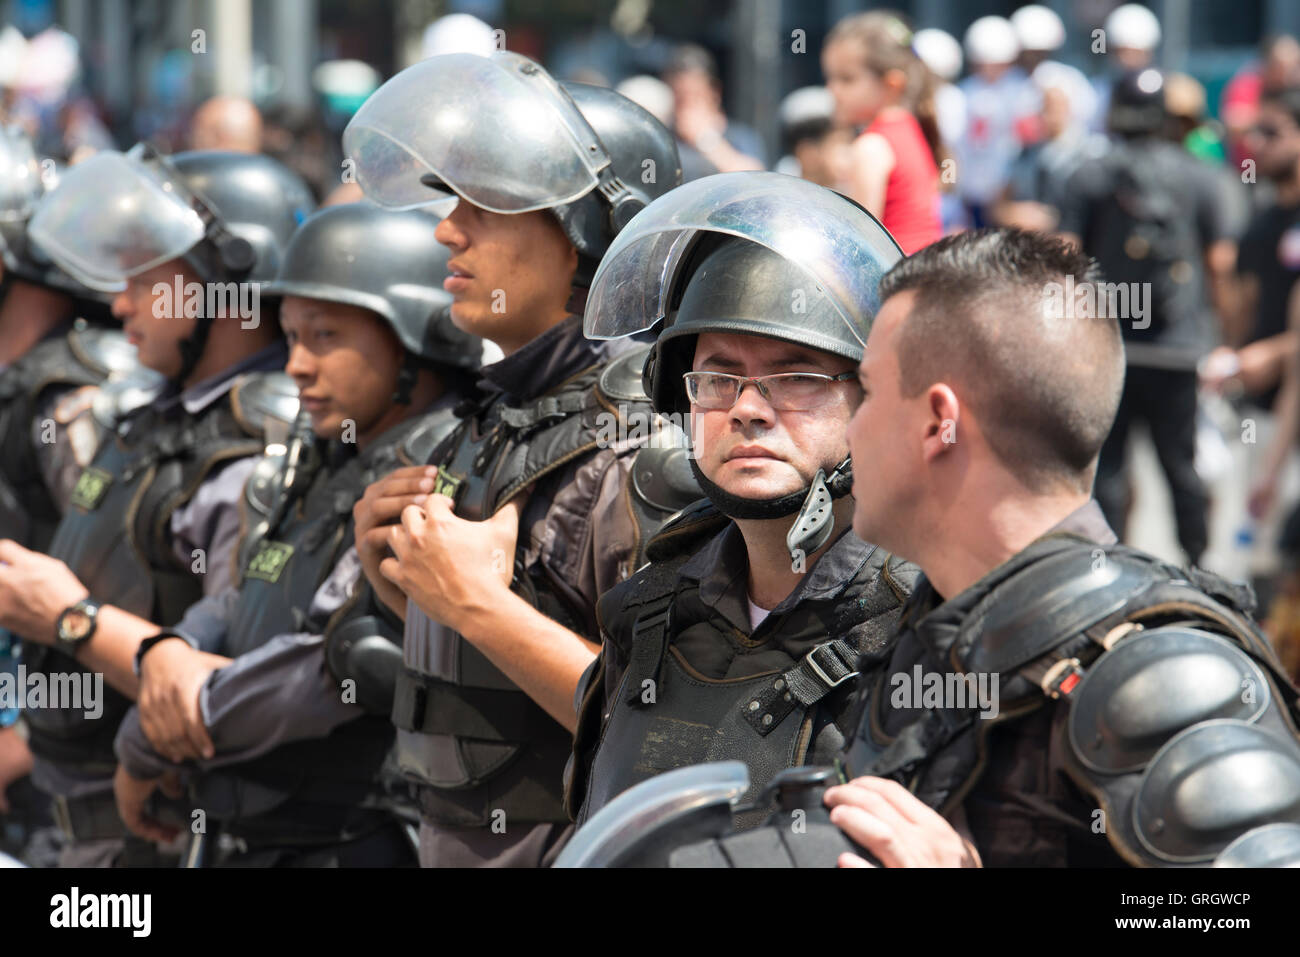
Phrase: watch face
(75, 625)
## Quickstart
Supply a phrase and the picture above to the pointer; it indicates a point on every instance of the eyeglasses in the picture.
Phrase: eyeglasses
(784, 391)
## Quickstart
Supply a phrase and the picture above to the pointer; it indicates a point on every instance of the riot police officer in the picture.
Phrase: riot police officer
(55, 355)
(1058, 699)
(152, 520)
(740, 639)
(295, 730)
(532, 515)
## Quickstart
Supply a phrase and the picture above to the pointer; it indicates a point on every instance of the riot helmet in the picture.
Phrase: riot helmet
(387, 261)
(24, 179)
(752, 253)
(227, 215)
(501, 133)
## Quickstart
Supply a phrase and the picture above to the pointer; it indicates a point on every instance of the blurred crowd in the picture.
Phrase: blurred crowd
(1193, 207)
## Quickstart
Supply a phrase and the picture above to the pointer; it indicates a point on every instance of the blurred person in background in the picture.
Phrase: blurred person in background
(1188, 124)
(941, 53)
(1000, 110)
(1277, 68)
(1035, 187)
(1152, 216)
(1259, 342)
(227, 123)
(817, 148)
(880, 85)
(1041, 33)
(698, 119)
(1263, 368)
(656, 97)
(1131, 34)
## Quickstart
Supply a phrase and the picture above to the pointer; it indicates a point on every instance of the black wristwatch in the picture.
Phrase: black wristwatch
(76, 625)
(149, 642)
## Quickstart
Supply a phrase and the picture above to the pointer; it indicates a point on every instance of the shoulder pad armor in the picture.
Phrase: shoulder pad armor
(265, 484)
(119, 397)
(1273, 845)
(1073, 589)
(433, 427)
(265, 404)
(621, 379)
(1164, 728)
(106, 351)
(662, 479)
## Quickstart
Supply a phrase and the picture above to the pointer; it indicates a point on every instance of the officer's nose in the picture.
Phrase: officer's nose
(752, 407)
(299, 367)
(451, 231)
(120, 307)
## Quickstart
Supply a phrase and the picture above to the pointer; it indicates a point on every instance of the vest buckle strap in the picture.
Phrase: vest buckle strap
(821, 671)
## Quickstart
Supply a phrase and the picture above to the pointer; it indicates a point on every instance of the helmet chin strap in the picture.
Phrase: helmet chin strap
(192, 347)
(811, 506)
(406, 377)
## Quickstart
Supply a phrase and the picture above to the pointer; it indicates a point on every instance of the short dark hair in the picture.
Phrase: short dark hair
(1287, 99)
(1045, 388)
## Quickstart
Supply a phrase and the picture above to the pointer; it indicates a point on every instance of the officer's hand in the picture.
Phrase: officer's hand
(453, 569)
(132, 796)
(34, 590)
(901, 831)
(380, 507)
(171, 676)
(15, 762)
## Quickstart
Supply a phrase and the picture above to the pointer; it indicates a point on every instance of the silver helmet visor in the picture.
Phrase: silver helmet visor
(841, 248)
(114, 216)
(498, 131)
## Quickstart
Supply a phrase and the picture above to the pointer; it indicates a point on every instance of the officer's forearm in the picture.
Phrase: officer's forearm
(535, 652)
(112, 648)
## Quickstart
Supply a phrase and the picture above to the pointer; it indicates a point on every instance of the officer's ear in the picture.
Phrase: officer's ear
(942, 419)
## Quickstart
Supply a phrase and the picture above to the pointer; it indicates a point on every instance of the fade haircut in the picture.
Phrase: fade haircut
(1045, 386)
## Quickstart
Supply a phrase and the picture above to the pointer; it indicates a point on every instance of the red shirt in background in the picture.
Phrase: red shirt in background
(912, 193)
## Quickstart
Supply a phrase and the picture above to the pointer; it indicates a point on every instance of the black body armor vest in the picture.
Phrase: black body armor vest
(1170, 683)
(116, 535)
(1174, 698)
(665, 715)
(82, 357)
(473, 741)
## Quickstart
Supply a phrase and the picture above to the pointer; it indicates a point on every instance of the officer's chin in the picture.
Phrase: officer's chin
(767, 481)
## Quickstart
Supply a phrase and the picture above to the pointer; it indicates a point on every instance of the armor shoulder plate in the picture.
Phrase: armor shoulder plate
(421, 442)
(1162, 730)
(620, 380)
(105, 351)
(119, 397)
(265, 404)
(265, 484)
(1073, 588)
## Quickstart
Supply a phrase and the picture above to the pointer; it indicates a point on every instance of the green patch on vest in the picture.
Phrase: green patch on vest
(90, 489)
(447, 485)
(268, 561)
